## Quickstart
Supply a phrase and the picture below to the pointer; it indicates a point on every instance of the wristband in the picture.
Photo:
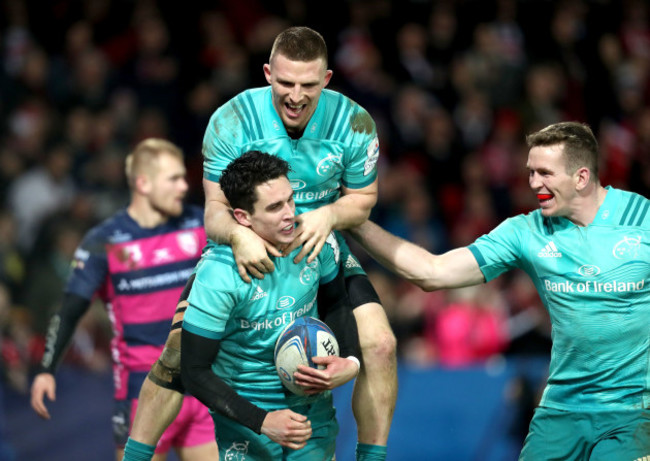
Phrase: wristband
(355, 360)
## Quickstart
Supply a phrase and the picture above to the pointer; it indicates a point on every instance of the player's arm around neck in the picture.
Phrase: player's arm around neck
(353, 207)
(454, 269)
(219, 222)
(250, 250)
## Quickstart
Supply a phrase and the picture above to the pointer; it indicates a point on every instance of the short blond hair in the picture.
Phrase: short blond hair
(143, 157)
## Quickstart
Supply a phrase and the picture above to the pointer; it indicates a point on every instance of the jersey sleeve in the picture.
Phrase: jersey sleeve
(501, 250)
(215, 293)
(219, 147)
(89, 266)
(361, 167)
(329, 259)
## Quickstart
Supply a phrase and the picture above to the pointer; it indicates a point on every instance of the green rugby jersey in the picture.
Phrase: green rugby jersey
(595, 283)
(248, 317)
(338, 147)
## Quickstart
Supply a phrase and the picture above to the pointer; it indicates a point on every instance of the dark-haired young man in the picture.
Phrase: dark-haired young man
(230, 328)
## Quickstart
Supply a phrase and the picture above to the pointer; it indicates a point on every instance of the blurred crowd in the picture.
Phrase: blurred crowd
(453, 85)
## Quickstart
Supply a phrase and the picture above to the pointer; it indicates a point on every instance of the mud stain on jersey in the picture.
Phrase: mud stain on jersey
(362, 122)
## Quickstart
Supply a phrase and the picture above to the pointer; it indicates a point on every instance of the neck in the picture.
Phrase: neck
(586, 210)
(145, 215)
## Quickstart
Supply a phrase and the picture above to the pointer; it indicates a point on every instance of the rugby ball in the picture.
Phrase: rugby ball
(302, 339)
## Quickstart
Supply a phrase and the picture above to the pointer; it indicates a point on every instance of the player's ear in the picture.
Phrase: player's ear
(243, 217)
(328, 77)
(267, 72)
(143, 184)
(582, 177)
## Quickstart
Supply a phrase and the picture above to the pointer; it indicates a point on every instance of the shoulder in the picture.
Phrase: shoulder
(217, 260)
(192, 216)
(340, 109)
(634, 208)
(112, 228)
(235, 113)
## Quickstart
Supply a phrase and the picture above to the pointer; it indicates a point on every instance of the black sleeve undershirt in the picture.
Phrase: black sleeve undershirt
(197, 355)
(60, 331)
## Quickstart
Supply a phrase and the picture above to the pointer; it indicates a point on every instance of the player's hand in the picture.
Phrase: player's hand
(313, 228)
(44, 384)
(337, 372)
(252, 254)
(288, 428)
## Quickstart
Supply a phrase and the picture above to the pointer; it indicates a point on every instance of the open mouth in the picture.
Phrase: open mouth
(544, 198)
(288, 229)
(294, 110)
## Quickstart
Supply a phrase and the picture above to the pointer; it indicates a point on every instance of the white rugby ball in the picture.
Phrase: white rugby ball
(302, 339)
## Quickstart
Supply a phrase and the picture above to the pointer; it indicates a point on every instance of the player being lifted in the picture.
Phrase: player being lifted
(332, 147)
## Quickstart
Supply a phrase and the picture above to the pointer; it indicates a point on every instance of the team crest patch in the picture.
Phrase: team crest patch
(328, 164)
(188, 242)
(237, 451)
(309, 273)
(627, 248)
(131, 254)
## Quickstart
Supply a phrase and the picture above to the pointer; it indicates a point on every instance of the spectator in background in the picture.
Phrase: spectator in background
(43, 190)
(469, 328)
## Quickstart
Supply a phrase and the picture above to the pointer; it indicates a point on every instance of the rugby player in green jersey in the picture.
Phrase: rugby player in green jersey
(332, 147)
(230, 329)
(587, 250)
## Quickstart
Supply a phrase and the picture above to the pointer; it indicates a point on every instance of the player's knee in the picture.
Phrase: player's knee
(171, 354)
(166, 372)
(380, 347)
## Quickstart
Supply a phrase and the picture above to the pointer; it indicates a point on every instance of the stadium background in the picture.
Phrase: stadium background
(454, 86)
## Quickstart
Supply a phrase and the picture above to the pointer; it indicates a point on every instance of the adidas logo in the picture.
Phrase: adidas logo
(351, 262)
(549, 251)
(259, 294)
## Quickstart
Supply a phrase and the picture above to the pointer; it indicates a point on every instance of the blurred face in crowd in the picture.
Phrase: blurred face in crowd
(165, 185)
(274, 212)
(554, 187)
(296, 87)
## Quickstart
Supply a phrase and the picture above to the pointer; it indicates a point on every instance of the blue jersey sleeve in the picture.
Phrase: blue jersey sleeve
(89, 266)
(500, 250)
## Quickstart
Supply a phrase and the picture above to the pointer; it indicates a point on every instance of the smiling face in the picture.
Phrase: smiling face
(274, 212)
(554, 187)
(296, 87)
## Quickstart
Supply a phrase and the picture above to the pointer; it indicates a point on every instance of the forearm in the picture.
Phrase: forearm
(455, 269)
(197, 354)
(220, 225)
(405, 259)
(61, 329)
(353, 207)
